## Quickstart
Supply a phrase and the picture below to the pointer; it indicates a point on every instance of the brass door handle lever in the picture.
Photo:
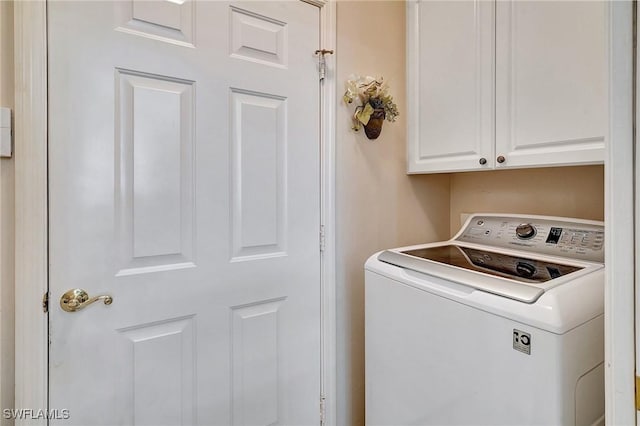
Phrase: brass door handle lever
(76, 299)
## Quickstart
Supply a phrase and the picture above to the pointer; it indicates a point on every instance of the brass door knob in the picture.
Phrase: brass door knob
(76, 299)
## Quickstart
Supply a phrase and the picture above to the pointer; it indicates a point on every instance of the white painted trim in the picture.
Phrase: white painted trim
(319, 3)
(327, 214)
(412, 11)
(30, 20)
(619, 222)
(31, 205)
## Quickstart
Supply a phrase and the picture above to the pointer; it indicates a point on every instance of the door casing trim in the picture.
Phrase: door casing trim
(620, 235)
(31, 261)
(31, 268)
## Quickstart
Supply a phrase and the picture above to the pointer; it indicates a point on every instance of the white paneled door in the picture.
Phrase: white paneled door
(184, 183)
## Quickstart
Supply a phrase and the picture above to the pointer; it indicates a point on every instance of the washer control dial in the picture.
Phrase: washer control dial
(525, 231)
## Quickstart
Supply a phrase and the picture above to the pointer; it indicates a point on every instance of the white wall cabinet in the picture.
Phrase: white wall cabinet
(505, 84)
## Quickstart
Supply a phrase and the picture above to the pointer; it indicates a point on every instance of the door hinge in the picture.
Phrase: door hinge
(322, 63)
(322, 410)
(45, 302)
(322, 239)
(637, 393)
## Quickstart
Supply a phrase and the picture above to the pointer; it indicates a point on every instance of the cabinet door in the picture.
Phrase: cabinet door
(450, 85)
(551, 96)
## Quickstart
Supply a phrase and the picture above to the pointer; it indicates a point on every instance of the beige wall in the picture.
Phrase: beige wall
(378, 205)
(562, 191)
(6, 219)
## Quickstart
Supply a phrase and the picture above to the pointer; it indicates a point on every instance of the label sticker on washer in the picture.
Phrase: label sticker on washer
(522, 341)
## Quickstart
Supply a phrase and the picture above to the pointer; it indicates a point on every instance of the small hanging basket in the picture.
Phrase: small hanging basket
(374, 127)
(373, 104)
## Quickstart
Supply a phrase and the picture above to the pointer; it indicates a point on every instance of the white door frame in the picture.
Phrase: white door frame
(619, 223)
(31, 268)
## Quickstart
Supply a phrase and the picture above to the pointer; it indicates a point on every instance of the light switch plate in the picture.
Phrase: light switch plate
(5, 133)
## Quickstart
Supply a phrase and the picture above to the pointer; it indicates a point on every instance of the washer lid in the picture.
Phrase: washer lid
(499, 264)
(511, 276)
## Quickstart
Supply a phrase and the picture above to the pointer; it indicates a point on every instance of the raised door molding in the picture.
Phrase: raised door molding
(450, 89)
(551, 83)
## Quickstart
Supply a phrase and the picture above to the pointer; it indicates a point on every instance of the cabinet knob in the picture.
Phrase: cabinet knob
(482, 161)
(501, 159)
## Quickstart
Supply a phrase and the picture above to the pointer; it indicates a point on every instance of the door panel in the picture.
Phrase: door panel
(159, 373)
(184, 182)
(154, 172)
(258, 172)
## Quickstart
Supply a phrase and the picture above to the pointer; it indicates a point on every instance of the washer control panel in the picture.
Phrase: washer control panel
(574, 238)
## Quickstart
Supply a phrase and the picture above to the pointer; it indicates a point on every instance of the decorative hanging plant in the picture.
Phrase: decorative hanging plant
(373, 104)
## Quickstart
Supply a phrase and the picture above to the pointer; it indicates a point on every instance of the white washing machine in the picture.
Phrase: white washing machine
(501, 325)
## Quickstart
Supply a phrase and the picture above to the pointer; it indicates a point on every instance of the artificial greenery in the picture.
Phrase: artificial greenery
(370, 94)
